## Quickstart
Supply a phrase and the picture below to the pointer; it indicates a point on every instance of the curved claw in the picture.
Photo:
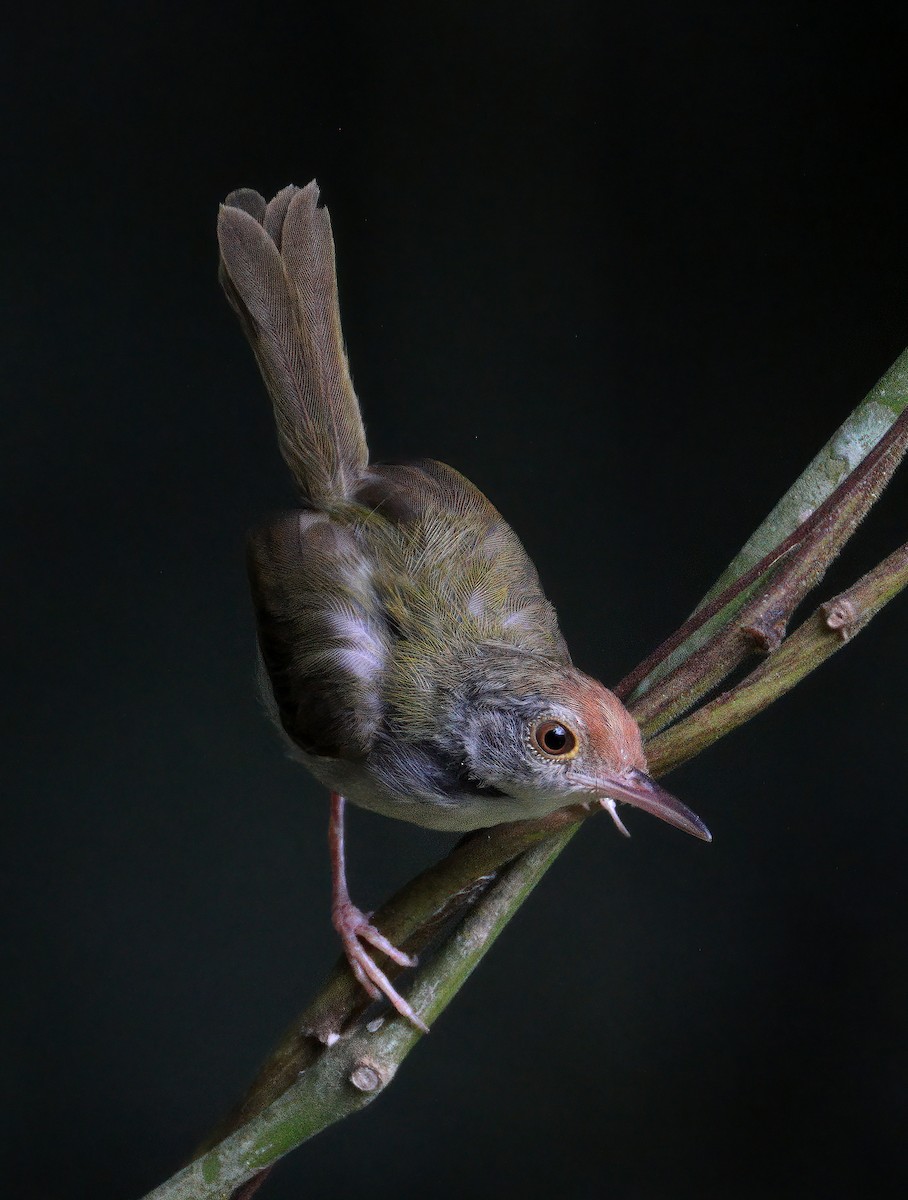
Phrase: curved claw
(354, 929)
(376, 938)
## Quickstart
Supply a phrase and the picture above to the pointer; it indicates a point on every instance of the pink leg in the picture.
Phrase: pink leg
(353, 926)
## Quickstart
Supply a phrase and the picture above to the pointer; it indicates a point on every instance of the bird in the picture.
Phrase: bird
(407, 651)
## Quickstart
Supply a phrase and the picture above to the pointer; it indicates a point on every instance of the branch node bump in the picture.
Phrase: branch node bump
(367, 1076)
(766, 634)
(841, 616)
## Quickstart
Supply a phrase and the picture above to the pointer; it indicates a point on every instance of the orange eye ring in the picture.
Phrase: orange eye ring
(554, 740)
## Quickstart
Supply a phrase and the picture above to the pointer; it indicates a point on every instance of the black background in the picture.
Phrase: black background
(627, 268)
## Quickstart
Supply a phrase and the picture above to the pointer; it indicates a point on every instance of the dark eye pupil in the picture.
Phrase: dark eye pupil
(555, 738)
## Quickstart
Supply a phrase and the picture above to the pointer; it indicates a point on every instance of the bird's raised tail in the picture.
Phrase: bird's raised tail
(277, 268)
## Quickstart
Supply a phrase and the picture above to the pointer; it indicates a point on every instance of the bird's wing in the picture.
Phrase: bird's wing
(384, 600)
(455, 570)
(322, 634)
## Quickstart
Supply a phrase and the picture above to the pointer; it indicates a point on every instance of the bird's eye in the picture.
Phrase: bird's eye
(554, 740)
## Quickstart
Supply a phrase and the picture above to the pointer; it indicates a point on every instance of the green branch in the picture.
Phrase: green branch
(355, 1069)
(330, 1064)
(785, 577)
(847, 447)
(821, 635)
(844, 451)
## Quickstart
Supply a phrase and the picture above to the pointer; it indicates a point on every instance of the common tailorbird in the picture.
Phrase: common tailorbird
(408, 652)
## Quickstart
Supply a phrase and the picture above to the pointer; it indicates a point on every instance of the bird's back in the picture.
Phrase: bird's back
(368, 611)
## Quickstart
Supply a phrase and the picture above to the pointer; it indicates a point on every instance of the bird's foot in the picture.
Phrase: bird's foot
(354, 928)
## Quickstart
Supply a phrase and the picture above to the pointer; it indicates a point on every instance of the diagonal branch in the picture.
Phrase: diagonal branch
(847, 447)
(821, 635)
(800, 563)
(411, 919)
(355, 1068)
(316, 1077)
(349, 1074)
(855, 438)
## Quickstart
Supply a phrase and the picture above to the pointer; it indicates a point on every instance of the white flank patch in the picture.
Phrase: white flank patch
(476, 605)
(363, 655)
(515, 618)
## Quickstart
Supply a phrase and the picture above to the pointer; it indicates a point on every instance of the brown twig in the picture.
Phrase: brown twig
(761, 623)
(821, 635)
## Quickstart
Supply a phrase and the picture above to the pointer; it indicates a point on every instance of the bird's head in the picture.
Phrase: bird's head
(550, 736)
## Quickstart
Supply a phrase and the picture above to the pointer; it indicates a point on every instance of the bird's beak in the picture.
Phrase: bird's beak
(636, 788)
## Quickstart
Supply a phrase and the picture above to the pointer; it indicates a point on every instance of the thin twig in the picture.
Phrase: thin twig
(820, 636)
(761, 623)
(857, 435)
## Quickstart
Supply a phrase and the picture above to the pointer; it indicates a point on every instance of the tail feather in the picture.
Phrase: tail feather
(277, 268)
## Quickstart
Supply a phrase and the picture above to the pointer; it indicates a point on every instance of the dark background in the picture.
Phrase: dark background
(627, 267)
